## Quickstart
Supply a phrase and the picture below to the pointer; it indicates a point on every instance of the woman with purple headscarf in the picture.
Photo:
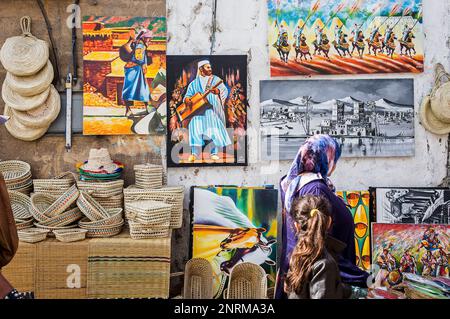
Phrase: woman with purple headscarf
(308, 175)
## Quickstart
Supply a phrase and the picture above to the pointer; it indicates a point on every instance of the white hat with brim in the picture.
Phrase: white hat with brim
(440, 103)
(429, 120)
(99, 160)
(20, 102)
(33, 84)
(25, 54)
(20, 131)
(43, 115)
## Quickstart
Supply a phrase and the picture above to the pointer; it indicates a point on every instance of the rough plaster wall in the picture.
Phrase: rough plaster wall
(242, 29)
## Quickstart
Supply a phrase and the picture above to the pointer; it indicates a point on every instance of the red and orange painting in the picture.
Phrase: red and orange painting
(124, 69)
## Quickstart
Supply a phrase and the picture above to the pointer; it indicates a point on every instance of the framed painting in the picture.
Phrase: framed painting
(368, 117)
(207, 109)
(124, 70)
(232, 225)
(412, 205)
(358, 202)
(420, 249)
(313, 37)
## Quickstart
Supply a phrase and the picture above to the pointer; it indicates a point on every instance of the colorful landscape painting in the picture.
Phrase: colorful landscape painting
(207, 110)
(124, 69)
(312, 37)
(233, 225)
(420, 249)
(358, 203)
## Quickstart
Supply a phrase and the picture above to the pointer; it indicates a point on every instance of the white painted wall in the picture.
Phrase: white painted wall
(242, 29)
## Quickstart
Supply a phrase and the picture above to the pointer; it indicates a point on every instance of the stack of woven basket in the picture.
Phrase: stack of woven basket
(148, 201)
(99, 222)
(108, 194)
(17, 176)
(21, 207)
(31, 102)
(56, 213)
(54, 186)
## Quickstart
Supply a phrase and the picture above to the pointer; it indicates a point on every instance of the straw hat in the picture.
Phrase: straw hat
(20, 131)
(33, 84)
(440, 96)
(43, 115)
(99, 160)
(23, 103)
(435, 109)
(25, 54)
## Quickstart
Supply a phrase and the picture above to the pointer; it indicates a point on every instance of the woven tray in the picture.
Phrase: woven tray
(149, 212)
(115, 219)
(70, 235)
(105, 232)
(53, 228)
(170, 195)
(91, 208)
(140, 231)
(32, 235)
(20, 204)
(24, 223)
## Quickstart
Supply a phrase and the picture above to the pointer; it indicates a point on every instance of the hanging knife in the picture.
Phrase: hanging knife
(69, 111)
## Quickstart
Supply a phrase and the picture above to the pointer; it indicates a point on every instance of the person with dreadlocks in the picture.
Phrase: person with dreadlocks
(313, 269)
(309, 175)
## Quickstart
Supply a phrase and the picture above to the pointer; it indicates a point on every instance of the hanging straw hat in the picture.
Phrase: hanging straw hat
(99, 160)
(440, 96)
(33, 84)
(20, 131)
(428, 118)
(24, 55)
(43, 115)
(23, 103)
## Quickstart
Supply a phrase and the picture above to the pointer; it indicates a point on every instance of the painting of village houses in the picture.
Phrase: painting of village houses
(369, 118)
(310, 37)
(124, 69)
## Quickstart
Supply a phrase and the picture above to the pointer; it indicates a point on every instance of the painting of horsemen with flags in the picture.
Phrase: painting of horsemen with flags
(232, 225)
(312, 37)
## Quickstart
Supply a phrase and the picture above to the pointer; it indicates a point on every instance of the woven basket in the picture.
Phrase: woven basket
(31, 85)
(32, 235)
(247, 281)
(14, 171)
(51, 229)
(20, 204)
(105, 231)
(198, 279)
(24, 223)
(25, 54)
(45, 206)
(64, 219)
(102, 189)
(91, 208)
(112, 202)
(44, 114)
(170, 195)
(115, 219)
(149, 212)
(55, 186)
(70, 235)
(142, 231)
(148, 175)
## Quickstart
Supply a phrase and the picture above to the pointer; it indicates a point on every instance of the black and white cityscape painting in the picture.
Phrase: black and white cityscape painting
(370, 118)
(412, 205)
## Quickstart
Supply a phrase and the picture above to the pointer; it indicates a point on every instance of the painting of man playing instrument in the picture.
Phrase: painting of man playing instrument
(207, 110)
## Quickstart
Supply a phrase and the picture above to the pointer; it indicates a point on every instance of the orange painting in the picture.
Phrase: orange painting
(124, 69)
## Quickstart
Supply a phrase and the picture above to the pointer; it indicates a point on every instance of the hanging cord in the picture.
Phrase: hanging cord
(56, 80)
(25, 25)
(214, 27)
(74, 45)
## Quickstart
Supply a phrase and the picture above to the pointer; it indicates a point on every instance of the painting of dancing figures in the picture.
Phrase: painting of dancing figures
(124, 69)
(309, 37)
(207, 110)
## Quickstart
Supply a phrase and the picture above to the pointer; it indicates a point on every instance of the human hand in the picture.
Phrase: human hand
(173, 123)
(188, 102)
(215, 91)
(144, 69)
